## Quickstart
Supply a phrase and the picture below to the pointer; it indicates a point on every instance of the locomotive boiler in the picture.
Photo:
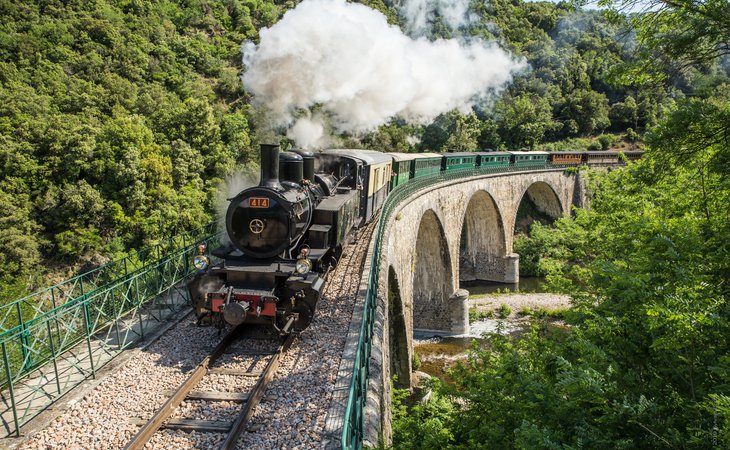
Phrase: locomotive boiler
(285, 234)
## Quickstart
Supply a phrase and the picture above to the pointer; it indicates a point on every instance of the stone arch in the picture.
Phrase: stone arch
(539, 202)
(483, 244)
(397, 337)
(432, 277)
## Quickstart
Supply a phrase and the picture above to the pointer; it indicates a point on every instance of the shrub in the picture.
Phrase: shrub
(504, 311)
(606, 141)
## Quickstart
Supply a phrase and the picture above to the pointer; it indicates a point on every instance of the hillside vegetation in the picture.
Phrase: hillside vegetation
(644, 361)
(118, 122)
(120, 119)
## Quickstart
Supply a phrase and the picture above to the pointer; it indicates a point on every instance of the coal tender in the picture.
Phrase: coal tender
(285, 235)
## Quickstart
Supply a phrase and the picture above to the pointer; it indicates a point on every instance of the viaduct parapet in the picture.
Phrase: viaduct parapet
(457, 230)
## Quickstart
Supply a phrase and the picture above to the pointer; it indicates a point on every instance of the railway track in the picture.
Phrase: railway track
(291, 415)
(162, 418)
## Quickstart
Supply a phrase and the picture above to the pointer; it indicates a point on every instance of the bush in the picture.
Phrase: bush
(504, 311)
(476, 315)
(606, 141)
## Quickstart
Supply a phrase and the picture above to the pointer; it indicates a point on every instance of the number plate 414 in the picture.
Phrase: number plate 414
(258, 202)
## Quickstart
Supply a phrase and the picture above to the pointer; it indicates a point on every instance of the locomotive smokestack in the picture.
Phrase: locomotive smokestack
(270, 166)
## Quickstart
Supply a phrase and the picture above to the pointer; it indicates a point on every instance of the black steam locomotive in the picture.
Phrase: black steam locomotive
(285, 234)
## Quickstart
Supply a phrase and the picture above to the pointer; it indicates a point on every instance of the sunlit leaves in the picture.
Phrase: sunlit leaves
(105, 109)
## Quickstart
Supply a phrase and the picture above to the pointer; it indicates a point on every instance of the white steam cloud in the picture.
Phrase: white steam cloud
(360, 71)
(234, 184)
(308, 132)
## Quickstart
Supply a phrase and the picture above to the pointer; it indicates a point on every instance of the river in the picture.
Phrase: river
(437, 354)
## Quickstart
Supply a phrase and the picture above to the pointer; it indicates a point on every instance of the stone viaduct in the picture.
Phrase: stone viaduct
(453, 231)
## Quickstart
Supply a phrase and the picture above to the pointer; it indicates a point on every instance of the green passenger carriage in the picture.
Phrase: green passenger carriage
(459, 161)
(529, 159)
(425, 164)
(493, 159)
(401, 168)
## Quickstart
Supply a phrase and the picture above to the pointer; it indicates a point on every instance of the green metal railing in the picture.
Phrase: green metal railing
(58, 326)
(353, 427)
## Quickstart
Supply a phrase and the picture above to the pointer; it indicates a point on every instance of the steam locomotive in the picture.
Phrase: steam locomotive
(286, 234)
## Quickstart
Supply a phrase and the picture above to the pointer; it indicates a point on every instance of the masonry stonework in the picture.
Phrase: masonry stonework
(452, 231)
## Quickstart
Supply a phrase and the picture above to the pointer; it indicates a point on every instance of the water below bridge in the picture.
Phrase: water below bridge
(438, 353)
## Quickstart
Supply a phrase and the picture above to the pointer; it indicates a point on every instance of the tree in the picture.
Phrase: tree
(113, 117)
(463, 134)
(684, 33)
(20, 243)
(586, 111)
(624, 114)
(524, 120)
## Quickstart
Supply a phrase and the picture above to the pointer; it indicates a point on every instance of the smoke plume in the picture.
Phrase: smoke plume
(359, 71)
(234, 184)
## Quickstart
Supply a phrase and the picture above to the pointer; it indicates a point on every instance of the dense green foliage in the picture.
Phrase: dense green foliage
(118, 121)
(570, 91)
(645, 359)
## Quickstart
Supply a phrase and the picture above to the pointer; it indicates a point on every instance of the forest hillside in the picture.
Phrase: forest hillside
(120, 120)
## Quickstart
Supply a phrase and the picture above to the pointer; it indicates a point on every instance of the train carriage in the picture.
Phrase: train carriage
(458, 161)
(426, 164)
(567, 158)
(528, 159)
(401, 169)
(601, 158)
(492, 159)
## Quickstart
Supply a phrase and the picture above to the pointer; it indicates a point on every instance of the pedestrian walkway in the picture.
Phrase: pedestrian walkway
(27, 398)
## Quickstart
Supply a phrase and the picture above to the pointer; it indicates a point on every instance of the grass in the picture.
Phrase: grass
(503, 311)
(476, 315)
(557, 313)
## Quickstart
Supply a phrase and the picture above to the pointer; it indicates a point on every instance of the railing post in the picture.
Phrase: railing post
(9, 376)
(117, 316)
(87, 327)
(139, 308)
(53, 356)
(55, 321)
(24, 341)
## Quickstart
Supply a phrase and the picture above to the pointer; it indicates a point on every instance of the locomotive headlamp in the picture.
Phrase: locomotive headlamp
(201, 262)
(303, 266)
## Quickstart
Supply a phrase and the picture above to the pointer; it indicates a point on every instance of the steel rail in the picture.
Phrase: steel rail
(256, 395)
(154, 424)
(254, 398)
